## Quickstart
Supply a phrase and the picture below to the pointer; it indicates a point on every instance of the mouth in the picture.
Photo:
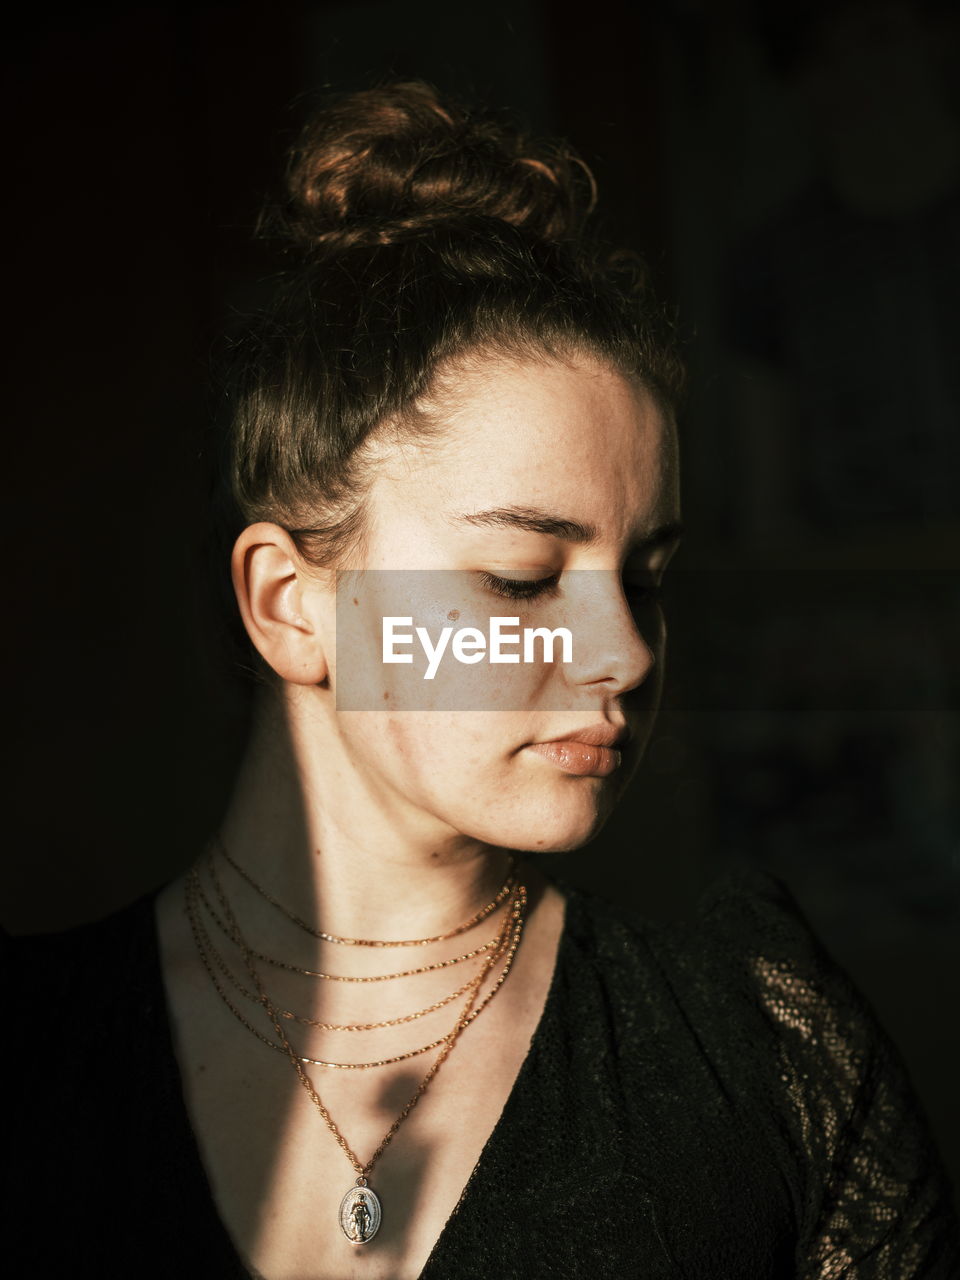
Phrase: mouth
(582, 759)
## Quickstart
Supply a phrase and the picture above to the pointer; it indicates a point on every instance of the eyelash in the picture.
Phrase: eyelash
(519, 589)
(522, 589)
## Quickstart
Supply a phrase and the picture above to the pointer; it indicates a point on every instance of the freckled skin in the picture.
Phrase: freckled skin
(574, 439)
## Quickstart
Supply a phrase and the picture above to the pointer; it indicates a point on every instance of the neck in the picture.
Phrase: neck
(342, 853)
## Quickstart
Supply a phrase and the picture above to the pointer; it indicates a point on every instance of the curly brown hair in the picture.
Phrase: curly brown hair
(420, 233)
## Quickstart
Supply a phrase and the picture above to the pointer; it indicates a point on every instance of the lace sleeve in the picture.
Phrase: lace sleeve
(876, 1201)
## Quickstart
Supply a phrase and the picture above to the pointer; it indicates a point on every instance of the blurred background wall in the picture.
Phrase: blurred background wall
(792, 174)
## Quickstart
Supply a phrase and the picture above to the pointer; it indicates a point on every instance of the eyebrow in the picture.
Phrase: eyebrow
(534, 520)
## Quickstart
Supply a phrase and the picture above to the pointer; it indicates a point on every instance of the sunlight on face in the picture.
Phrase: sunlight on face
(545, 470)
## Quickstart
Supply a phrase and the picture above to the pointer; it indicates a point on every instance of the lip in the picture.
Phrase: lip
(600, 734)
(588, 752)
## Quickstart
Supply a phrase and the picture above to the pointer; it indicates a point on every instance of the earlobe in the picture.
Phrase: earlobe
(270, 583)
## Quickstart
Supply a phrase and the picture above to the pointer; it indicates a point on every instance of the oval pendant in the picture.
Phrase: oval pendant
(360, 1215)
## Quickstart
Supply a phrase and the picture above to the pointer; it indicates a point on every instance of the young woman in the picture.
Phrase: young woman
(362, 1036)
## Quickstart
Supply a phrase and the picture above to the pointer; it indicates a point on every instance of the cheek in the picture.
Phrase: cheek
(435, 748)
(468, 771)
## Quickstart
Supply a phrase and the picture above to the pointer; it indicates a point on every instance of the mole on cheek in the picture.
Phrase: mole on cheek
(386, 694)
(355, 600)
(453, 615)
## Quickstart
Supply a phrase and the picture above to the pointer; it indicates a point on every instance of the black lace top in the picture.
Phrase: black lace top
(710, 1100)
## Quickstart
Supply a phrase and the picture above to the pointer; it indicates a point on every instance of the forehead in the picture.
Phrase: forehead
(573, 435)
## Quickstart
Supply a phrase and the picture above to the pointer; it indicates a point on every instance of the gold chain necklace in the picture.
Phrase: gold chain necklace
(482, 914)
(232, 978)
(336, 977)
(360, 1211)
(516, 916)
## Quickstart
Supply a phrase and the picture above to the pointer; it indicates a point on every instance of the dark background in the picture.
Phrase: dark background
(791, 173)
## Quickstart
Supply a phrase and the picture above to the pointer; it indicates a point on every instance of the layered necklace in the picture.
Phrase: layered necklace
(211, 914)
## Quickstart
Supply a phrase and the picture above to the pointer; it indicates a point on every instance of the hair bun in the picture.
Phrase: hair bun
(380, 165)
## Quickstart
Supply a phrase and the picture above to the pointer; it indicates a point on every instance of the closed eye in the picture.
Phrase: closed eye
(519, 588)
(639, 589)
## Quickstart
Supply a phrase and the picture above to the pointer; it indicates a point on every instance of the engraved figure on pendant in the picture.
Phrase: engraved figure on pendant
(360, 1215)
(360, 1218)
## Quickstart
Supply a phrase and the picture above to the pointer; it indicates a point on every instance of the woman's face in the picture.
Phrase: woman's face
(551, 498)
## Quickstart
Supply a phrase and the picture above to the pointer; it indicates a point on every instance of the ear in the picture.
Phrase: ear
(279, 603)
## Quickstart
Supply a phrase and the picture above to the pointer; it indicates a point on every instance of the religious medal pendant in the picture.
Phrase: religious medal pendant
(360, 1213)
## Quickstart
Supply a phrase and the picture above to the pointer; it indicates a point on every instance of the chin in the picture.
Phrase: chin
(574, 833)
(571, 821)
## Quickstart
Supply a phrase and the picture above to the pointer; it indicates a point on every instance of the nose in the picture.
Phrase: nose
(617, 641)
